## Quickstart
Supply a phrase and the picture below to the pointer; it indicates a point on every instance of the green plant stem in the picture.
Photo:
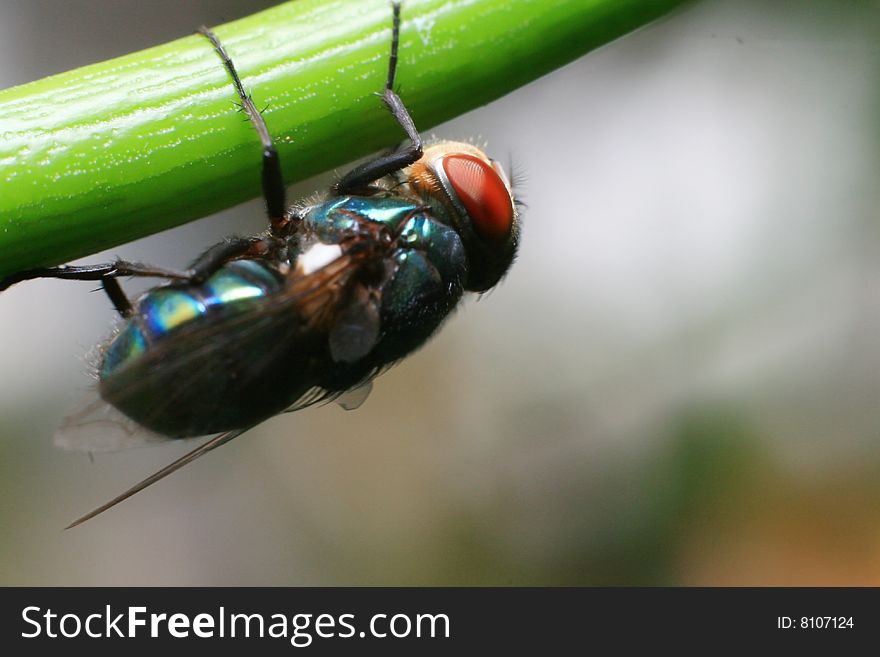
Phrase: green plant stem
(128, 147)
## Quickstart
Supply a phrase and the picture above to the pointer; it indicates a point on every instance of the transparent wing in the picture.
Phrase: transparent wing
(98, 427)
(174, 466)
(312, 397)
(354, 398)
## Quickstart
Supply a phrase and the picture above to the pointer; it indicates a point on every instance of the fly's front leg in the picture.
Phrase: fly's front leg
(273, 181)
(107, 273)
(364, 174)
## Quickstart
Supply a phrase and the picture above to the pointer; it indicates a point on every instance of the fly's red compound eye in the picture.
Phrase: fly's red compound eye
(483, 193)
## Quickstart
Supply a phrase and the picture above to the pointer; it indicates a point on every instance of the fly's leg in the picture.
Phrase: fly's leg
(117, 296)
(94, 273)
(219, 254)
(273, 188)
(213, 258)
(107, 273)
(273, 182)
(364, 174)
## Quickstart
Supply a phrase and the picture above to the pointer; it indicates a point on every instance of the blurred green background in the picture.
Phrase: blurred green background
(678, 382)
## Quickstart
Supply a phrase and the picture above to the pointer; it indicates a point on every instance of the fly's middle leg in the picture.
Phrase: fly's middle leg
(273, 181)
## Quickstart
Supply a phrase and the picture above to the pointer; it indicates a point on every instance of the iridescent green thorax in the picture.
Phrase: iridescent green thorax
(416, 226)
(424, 270)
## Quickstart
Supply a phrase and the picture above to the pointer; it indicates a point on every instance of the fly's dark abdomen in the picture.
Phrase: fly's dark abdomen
(165, 310)
(193, 360)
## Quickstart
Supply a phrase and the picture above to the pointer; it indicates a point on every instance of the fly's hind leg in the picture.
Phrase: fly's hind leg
(107, 273)
(361, 176)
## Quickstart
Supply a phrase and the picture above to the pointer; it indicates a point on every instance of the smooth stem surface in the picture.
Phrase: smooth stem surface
(121, 149)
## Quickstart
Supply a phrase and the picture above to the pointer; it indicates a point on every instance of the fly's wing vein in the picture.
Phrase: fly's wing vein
(187, 458)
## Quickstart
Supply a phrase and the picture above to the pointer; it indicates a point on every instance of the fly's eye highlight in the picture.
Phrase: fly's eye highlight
(484, 194)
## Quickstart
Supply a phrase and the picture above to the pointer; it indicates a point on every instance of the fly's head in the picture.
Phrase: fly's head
(476, 194)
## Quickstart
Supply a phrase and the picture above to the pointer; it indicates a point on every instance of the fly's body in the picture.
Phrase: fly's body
(334, 292)
(273, 347)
